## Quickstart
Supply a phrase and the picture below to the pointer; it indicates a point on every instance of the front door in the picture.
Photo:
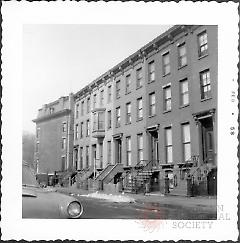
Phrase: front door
(207, 140)
(118, 151)
(154, 146)
(94, 155)
(101, 155)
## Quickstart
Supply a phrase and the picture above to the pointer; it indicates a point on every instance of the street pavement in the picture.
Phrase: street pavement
(138, 206)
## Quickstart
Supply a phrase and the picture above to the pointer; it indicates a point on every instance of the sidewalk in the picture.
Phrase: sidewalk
(208, 203)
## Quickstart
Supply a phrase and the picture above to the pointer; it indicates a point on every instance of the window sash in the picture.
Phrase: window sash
(109, 93)
(77, 111)
(94, 101)
(118, 113)
(128, 113)
(139, 76)
(139, 109)
(88, 128)
(63, 143)
(152, 109)
(140, 147)
(82, 108)
(203, 43)
(168, 145)
(166, 64)
(76, 131)
(169, 156)
(117, 89)
(167, 98)
(128, 150)
(182, 52)
(109, 119)
(151, 71)
(88, 105)
(205, 84)
(101, 97)
(128, 82)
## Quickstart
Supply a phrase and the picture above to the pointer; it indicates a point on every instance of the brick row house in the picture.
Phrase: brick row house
(150, 122)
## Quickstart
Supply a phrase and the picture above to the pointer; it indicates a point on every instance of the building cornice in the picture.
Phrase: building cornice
(52, 116)
(154, 45)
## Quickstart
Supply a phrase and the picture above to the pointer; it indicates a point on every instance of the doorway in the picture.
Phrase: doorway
(212, 182)
(207, 140)
(94, 154)
(118, 144)
(154, 145)
(101, 155)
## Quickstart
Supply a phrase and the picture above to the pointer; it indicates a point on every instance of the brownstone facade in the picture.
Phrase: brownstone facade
(155, 111)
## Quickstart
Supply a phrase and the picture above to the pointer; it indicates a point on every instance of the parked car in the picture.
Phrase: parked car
(38, 202)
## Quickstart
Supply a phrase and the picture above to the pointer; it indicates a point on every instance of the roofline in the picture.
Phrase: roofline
(168, 34)
(53, 115)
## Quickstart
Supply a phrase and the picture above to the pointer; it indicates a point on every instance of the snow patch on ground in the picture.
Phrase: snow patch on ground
(110, 197)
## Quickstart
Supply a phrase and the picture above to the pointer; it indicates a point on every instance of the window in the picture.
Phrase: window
(38, 133)
(168, 144)
(98, 121)
(128, 151)
(128, 83)
(64, 164)
(88, 104)
(152, 104)
(139, 78)
(205, 84)
(87, 128)
(109, 119)
(186, 142)
(82, 108)
(139, 147)
(118, 89)
(81, 129)
(37, 147)
(128, 113)
(76, 167)
(151, 72)
(139, 109)
(101, 120)
(87, 156)
(63, 143)
(109, 152)
(81, 157)
(202, 44)
(167, 98)
(182, 55)
(184, 93)
(64, 127)
(166, 63)
(77, 111)
(118, 117)
(76, 131)
(101, 97)
(94, 100)
(109, 93)
(37, 166)
(51, 110)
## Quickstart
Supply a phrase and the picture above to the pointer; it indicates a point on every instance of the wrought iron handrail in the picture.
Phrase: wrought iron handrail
(132, 169)
(199, 166)
(149, 164)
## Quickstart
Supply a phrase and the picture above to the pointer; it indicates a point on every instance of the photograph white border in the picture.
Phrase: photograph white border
(16, 14)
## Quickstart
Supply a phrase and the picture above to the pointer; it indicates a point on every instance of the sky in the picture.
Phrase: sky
(59, 59)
